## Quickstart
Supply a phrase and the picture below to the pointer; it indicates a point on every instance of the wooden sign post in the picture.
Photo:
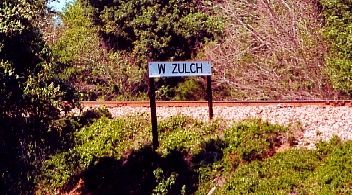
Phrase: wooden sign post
(210, 97)
(153, 113)
(176, 69)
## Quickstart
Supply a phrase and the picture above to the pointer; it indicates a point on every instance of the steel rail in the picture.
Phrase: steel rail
(110, 104)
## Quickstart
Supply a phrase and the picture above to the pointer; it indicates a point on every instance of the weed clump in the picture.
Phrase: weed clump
(252, 140)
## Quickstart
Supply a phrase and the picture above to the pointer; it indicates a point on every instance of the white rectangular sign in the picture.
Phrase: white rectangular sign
(177, 69)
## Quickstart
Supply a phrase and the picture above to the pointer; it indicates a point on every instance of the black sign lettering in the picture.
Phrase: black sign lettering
(199, 67)
(185, 67)
(161, 68)
(174, 70)
(179, 69)
(193, 70)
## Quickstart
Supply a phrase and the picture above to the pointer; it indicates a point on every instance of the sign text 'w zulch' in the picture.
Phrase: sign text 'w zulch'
(177, 69)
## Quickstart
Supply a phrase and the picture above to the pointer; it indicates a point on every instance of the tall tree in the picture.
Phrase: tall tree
(154, 29)
(78, 45)
(30, 95)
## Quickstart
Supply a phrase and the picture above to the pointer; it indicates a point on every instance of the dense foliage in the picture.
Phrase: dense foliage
(92, 69)
(115, 155)
(78, 46)
(259, 49)
(262, 49)
(30, 95)
(99, 68)
(338, 30)
(155, 30)
(142, 31)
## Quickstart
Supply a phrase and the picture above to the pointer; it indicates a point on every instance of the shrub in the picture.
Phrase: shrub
(183, 133)
(194, 157)
(337, 29)
(181, 139)
(333, 176)
(284, 173)
(242, 144)
(325, 148)
(57, 171)
(177, 122)
(326, 170)
(104, 137)
(111, 137)
(89, 116)
(30, 94)
(252, 140)
(114, 139)
(164, 183)
(190, 89)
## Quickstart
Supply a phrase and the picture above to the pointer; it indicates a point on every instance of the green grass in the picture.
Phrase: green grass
(193, 157)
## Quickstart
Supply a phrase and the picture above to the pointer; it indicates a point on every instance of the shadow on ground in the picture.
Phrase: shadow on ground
(135, 174)
(139, 172)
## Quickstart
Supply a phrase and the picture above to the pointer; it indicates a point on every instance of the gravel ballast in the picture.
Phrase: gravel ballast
(318, 123)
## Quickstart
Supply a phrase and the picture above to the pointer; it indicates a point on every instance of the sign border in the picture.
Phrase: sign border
(207, 73)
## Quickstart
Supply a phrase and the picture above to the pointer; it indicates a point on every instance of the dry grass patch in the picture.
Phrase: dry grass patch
(271, 50)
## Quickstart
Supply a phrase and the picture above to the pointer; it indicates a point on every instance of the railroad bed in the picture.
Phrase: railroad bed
(218, 103)
(318, 120)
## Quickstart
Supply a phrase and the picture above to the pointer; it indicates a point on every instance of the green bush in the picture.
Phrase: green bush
(326, 170)
(282, 174)
(111, 137)
(57, 171)
(31, 95)
(338, 29)
(183, 133)
(182, 139)
(244, 143)
(102, 138)
(334, 175)
(158, 30)
(325, 148)
(89, 116)
(190, 89)
(177, 122)
(252, 140)
(195, 156)
(164, 183)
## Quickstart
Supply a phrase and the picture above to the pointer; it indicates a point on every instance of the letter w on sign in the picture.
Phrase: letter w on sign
(177, 69)
(161, 68)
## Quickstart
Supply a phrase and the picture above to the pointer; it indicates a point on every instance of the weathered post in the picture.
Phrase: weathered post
(153, 113)
(210, 97)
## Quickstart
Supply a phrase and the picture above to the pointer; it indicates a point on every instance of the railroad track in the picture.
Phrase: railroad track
(111, 104)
